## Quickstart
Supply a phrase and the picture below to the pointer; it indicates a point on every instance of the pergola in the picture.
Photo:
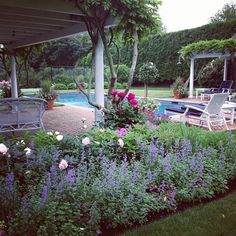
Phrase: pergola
(224, 56)
(29, 22)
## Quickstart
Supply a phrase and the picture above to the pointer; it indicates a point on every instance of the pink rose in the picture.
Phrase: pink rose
(114, 92)
(131, 96)
(3, 149)
(63, 164)
(121, 94)
(133, 102)
(86, 141)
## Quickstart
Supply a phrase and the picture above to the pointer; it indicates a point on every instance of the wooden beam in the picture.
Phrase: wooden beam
(14, 11)
(36, 21)
(61, 6)
(29, 25)
(75, 29)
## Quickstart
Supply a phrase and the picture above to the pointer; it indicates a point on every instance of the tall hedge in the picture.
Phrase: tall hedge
(163, 50)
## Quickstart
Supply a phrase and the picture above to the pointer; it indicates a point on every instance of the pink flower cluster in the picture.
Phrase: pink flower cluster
(121, 132)
(5, 84)
(132, 101)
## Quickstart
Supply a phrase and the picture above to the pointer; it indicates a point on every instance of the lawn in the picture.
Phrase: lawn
(153, 92)
(215, 218)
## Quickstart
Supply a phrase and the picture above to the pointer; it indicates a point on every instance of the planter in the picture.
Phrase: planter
(50, 104)
(177, 94)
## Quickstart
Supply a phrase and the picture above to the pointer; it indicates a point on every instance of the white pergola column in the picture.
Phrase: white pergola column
(225, 70)
(14, 91)
(99, 79)
(191, 78)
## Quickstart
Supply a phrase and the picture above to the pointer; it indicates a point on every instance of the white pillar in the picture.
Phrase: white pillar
(191, 79)
(14, 91)
(99, 79)
(225, 70)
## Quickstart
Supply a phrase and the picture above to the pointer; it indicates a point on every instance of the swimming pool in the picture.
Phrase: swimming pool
(75, 98)
(78, 99)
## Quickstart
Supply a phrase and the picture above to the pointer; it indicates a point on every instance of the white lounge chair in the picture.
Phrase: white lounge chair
(211, 115)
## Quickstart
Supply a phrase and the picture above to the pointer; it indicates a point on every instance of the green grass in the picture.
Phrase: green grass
(217, 218)
(153, 92)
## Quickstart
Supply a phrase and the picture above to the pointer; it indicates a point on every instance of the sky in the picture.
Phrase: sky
(186, 14)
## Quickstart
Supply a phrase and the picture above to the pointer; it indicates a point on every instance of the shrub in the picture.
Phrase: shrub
(60, 79)
(119, 85)
(60, 87)
(72, 86)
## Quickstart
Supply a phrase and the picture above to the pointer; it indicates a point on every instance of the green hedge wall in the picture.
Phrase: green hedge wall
(163, 50)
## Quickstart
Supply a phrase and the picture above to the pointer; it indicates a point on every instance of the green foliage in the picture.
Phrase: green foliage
(163, 50)
(72, 86)
(180, 86)
(208, 46)
(60, 87)
(227, 13)
(148, 73)
(47, 90)
(62, 79)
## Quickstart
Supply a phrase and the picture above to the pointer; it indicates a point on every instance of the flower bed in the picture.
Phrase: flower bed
(55, 185)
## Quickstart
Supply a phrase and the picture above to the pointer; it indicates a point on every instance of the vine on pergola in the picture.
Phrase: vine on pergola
(227, 46)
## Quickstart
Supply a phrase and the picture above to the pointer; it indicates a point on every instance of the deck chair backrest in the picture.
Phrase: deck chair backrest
(215, 104)
(226, 84)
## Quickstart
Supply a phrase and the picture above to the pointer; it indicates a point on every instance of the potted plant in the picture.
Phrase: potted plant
(48, 93)
(179, 88)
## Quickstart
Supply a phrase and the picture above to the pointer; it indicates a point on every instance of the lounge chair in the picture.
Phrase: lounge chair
(225, 87)
(204, 115)
(17, 114)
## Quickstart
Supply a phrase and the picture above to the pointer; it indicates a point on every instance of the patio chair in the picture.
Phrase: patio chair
(209, 116)
(225, 87)
(17, 114)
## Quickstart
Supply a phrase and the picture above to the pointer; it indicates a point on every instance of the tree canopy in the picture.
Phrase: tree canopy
(227, 13)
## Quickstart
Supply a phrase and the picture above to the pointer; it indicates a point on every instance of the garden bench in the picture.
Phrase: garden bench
(25, 113)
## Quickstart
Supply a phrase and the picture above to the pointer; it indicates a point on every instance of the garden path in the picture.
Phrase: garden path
(68, 119)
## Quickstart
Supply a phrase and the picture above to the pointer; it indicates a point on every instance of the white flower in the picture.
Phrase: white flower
(59, 137)
(63, 164)
(121, 143)
(49, 133)
(57, 133)
(85, 127)
(86, 141)
(22, 142)
(83, 119)
(101, 130)
(28, 151)
(3, 149)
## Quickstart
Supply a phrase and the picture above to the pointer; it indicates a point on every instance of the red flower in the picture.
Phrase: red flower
(133, 102)
(131, 96)
(114, 92)
(121, 94)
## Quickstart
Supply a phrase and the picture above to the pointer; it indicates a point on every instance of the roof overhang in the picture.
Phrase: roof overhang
(28, 22)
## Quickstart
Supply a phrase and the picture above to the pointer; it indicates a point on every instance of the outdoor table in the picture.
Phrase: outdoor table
(198, 90)
(230, 106)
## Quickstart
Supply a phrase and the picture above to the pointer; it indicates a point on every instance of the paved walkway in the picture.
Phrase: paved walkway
(68, 119)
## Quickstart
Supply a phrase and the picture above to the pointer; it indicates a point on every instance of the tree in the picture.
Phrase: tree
(227, 13)
(136, 18)
(148, 73)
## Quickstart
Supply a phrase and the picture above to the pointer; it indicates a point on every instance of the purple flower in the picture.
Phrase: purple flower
(70, 177)
(44, 195)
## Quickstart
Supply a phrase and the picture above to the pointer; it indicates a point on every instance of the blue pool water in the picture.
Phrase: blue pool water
(78, 99)
(75, 98)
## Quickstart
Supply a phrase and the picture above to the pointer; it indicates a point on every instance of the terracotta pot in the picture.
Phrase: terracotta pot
(50, 104)
(177, 94)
